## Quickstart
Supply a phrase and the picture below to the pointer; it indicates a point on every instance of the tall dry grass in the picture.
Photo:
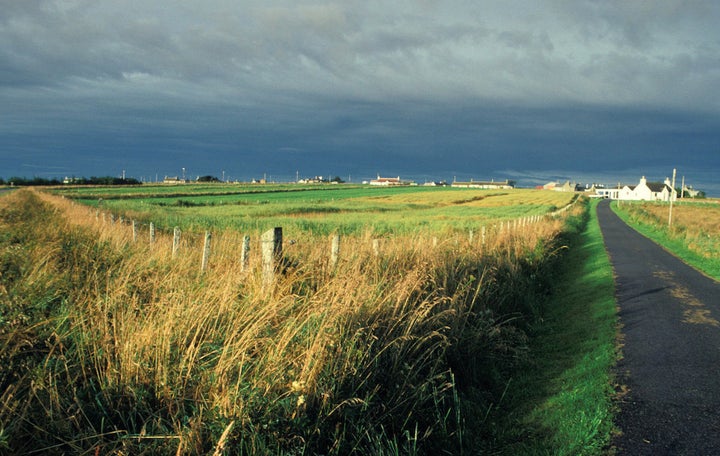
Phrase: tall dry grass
(696, 224)
(114, 346)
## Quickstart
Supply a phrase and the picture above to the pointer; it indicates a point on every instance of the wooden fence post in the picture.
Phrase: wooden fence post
(206, 251)
(176, 241)
(245, 253)
(152, 233)
(271, 253)
(482, 234)
(471, 236)
(334, 250)
(376, 246)
(134, 228)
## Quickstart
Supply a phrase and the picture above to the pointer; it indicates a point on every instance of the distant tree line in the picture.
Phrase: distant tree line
(39, 181)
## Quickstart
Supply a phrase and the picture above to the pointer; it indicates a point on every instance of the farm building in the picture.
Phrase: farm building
(174, 180)
(388, 181)
(506, 184)
(643, 191)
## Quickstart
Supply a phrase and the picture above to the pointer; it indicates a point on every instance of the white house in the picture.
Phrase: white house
(643, 191)
(387, 181)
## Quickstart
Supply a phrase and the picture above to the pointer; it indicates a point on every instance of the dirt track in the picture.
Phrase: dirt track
(670, 316)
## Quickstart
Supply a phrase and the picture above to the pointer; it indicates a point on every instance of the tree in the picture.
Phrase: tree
(208, 179)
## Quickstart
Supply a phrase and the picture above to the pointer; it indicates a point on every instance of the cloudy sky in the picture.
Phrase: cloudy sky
(533, 90)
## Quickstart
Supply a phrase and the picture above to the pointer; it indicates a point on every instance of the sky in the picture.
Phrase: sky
(587, 90)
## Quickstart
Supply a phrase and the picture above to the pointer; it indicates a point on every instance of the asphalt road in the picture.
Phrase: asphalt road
(670, 317)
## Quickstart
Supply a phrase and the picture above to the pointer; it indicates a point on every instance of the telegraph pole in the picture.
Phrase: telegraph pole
(682, 188)
(672, 190)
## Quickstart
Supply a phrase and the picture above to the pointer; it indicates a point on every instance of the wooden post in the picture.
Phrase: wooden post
(482, 234)
(334, 251)
(245, 253)
(112, 219)
(176, 241)
(672, 190)
(206, 251)
(435, 241)
(471, 236)
(271, 253)
(152, 233)
(134, 228)
(376, 246)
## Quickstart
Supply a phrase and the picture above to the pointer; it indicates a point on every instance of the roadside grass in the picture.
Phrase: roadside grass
(694, 236)
(561, 404)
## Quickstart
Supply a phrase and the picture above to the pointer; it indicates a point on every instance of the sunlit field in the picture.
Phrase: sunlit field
(402, 345)
(325, 209)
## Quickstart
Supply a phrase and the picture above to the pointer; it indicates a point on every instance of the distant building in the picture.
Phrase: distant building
(311, 180)
(388, 181)
(174, 180)
(568, 187)
(643, 191)
(506, 184)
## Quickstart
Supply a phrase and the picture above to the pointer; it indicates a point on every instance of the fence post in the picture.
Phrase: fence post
(152, 233)
(471, 236)
(176, 241)
(271, 253)
(376, 246)
(334, 251)
(482, 234)
(206, 251)
(134, 228)
(245, 253)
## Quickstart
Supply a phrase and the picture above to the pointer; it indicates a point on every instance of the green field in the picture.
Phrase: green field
(344, 209)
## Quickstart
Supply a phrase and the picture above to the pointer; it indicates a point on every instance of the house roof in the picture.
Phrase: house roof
(656, 187)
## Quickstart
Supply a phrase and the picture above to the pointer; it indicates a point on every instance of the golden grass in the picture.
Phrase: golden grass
(220, 347)
(698, 224)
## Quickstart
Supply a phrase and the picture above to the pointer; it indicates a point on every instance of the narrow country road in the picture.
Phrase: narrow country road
(670, 317)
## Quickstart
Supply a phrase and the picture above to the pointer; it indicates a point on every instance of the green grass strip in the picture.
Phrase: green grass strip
(564, 398)
(675, 245)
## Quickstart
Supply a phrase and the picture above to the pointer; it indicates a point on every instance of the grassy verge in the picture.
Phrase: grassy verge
(678, 240)
(561, 403)
(111, 346)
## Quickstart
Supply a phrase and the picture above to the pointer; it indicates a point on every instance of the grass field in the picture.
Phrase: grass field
(115, 347)
(694, 235)
(325, 209)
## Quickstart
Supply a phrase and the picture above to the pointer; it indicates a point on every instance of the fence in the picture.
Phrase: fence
(271, 241)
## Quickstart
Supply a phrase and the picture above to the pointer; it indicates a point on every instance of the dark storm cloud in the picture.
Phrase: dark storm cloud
(414, 85)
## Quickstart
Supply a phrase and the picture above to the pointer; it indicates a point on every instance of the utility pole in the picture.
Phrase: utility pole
(682, 188)
(672, 190)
